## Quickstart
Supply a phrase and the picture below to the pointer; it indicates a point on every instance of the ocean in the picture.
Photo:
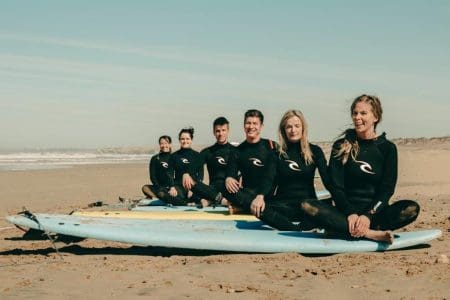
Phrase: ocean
(51, 159)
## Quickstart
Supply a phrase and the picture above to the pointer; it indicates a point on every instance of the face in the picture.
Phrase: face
(221, 133)
(164, 145)
(363, 119)
(185, 140)
(253, 128)
(293, 129)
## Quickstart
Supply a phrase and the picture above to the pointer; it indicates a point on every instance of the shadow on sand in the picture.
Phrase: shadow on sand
(152, 251)
(132, 250)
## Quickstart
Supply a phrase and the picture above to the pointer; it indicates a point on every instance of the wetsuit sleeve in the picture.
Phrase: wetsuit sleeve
(232, 168)
(170, 171)
(336, 171)
(152, 168)
(267, 182)
(201, 173)
(388, 180)
(321, 163)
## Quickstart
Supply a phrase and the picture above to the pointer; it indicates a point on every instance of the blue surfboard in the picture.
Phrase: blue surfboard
(223, 235)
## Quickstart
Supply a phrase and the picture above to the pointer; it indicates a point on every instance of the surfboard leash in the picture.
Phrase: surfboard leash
(33, 217)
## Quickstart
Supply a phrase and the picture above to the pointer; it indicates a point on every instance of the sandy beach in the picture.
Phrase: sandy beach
(103, 270)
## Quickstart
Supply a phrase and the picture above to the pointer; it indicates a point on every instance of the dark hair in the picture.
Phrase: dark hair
(220, 121)
(374, 102)
(254, 113)
(166, 138)
(189, 130)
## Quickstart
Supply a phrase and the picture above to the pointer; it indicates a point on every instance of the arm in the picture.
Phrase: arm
(321, 163)
(152, 169)
(200, 165)
(388, 180)
(170, 171)
(231, 182)
(336, 171)
(267, 179)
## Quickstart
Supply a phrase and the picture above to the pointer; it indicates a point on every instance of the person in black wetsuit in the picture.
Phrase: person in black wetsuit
(216, 158)
(363, 172)
(159, 170)
(255, 160)
(185, 160)
(296, 165)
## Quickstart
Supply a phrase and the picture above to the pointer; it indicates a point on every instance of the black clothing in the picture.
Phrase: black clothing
(295, 183)
(256, 163)
(179, 163)
(186, 161)
(216, 158)
(360, 185)
(367, 182)
(159, 169)
(294, 178)
(391, 217)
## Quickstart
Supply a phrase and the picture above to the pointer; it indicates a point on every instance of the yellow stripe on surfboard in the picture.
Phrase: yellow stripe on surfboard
(167, 215)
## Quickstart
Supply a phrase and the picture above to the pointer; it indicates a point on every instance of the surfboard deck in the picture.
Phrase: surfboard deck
(222, 235)
(170, 213)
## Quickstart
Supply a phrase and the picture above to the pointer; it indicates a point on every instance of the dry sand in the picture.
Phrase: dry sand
(101, 270)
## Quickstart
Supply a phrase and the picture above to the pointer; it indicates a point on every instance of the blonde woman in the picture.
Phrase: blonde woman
(363, 173)
(296, 166)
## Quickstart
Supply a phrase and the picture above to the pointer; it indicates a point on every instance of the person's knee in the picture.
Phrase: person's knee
(411, 211)
(147, 190)
(308, 208)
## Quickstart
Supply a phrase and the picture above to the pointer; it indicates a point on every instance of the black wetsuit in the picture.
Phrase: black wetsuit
(362, 185)
(185, 161)
(159, 170)
(216, 158)
(294, 184)
(256, 163)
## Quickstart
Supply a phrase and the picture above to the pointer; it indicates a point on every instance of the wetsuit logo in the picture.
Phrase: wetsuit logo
(293, 165)
(164, 165)
(185, 160)
(256, 162)
(365, 167)
(221, 160)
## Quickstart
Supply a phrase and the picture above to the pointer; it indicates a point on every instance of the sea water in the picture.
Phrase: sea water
(51, 159)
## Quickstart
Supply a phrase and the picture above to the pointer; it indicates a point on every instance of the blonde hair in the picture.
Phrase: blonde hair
(351, 147)
(346, 149)
(304, 144)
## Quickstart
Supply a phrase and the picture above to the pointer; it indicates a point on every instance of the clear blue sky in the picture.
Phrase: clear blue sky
(121, 73)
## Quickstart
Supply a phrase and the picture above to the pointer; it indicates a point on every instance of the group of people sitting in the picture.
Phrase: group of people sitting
(275, 181)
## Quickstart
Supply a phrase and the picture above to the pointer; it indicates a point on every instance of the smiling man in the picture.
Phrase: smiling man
(255, 162)
(216, 158)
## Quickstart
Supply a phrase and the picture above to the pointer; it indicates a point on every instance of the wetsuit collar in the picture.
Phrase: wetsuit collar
(350, 135)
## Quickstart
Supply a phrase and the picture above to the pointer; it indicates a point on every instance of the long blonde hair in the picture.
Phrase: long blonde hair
(304, 144)
(350, 146)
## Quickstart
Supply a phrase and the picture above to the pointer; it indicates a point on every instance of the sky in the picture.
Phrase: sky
(93, 74)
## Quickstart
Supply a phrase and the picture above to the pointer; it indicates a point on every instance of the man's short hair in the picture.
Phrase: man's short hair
(254, 113)
(220, 121)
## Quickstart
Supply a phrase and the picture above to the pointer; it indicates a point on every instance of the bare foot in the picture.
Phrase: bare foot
(204, 203)
(381, 236)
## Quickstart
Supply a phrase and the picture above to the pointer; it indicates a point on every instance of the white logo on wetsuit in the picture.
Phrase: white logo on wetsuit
(165, 165)
(365, 167)
(185, 161)
(256, 162)
(293, 165)
(221, 160)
